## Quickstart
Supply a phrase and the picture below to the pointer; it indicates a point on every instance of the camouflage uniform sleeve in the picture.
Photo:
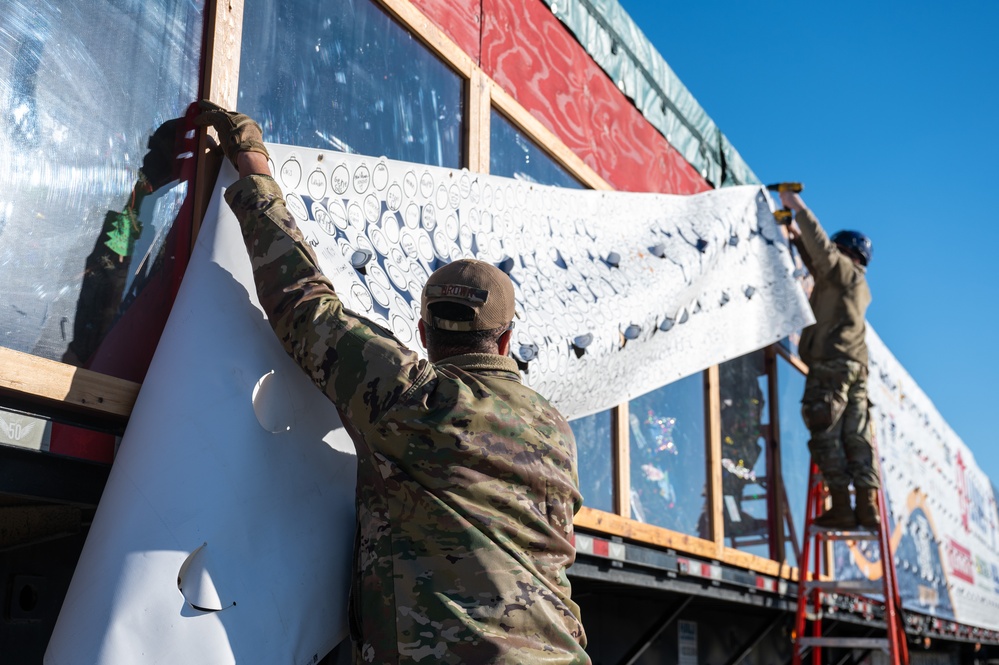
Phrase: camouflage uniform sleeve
(359, 366)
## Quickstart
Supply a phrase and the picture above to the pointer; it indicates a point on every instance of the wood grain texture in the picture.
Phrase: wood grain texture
(543, 136)
(621, 460)
(794, 361)
(615, 525)
(530, 54)
(32, 378)
(428, 30)
(479, 118)
(712, 415)
(220, 84)
(460, 20)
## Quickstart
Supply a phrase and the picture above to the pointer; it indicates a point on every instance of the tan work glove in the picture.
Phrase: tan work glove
(237, 132)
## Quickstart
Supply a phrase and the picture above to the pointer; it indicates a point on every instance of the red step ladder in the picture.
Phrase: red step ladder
(811, 586)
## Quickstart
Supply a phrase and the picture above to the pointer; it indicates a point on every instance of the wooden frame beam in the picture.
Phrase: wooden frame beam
(220, 84)
(776, 496)
(479, 118)
(794, 360)
(417, 22)
(52, 387)
(713, 491)
(621, 460)
(545, 138)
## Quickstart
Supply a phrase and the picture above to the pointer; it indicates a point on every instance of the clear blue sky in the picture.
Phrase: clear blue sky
(887, 111)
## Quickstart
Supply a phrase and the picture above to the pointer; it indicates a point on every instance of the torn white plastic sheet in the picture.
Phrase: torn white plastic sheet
(225, 530)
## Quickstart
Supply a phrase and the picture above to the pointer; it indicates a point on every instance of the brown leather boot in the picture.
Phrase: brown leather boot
(867, 513)
(840, 516)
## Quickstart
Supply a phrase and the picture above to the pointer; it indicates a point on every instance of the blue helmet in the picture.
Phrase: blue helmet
(856, 243)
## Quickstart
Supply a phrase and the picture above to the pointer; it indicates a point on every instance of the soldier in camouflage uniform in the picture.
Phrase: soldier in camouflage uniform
(835, 407)
(466, 479)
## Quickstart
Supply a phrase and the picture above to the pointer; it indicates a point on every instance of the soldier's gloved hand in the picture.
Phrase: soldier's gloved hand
(237, 132)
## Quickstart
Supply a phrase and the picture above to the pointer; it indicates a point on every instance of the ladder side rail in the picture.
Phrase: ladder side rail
(803, 567)
(816, 496)
(894, 617)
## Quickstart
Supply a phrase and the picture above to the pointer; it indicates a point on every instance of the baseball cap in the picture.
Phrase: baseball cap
(478, 285)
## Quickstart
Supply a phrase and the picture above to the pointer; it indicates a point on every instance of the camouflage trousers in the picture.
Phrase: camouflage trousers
(836, 411)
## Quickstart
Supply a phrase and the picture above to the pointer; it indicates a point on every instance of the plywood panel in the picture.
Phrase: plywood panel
(528, 52)
(460, 20)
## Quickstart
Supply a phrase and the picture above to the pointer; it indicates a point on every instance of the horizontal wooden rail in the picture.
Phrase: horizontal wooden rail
(794, 360)
(55, 389)
(648, 534)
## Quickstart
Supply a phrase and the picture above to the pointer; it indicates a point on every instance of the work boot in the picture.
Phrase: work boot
(840, 517)
(867, 513)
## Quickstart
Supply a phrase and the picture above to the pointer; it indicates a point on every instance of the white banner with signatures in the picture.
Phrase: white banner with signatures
(617, 293)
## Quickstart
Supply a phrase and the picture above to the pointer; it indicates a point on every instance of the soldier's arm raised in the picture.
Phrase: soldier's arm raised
(356, 364)
(821, 251)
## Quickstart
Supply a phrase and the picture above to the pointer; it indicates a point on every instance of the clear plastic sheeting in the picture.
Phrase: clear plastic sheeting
(345, 76)
(514, 155)
(616, 43)
(745, 420)
(794, 455)
(668, 467)
(83, 86)
(594, 446)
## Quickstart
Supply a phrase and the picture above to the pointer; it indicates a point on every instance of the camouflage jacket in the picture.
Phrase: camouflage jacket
(466, 479)
(839, 299)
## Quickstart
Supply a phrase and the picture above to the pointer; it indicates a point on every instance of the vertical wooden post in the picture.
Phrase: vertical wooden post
(713, 491)
(777, 508)
(479, 115)
(622, 460)
(224, 23)
(220, 84)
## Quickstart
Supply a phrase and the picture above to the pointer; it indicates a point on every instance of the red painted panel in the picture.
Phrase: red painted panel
(459, 19)
(533, 56)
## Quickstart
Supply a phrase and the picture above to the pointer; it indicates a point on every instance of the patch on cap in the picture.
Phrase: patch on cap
(480, 286)
(457, 291)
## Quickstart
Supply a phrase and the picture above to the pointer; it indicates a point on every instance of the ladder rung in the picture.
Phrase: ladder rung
(834, 534)
(845, 586)
(844, 642)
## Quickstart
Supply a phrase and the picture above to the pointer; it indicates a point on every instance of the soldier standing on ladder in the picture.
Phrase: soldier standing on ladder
(834, 406)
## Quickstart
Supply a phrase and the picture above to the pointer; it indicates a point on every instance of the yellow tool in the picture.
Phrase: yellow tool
(795, 187)
(784, 215)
